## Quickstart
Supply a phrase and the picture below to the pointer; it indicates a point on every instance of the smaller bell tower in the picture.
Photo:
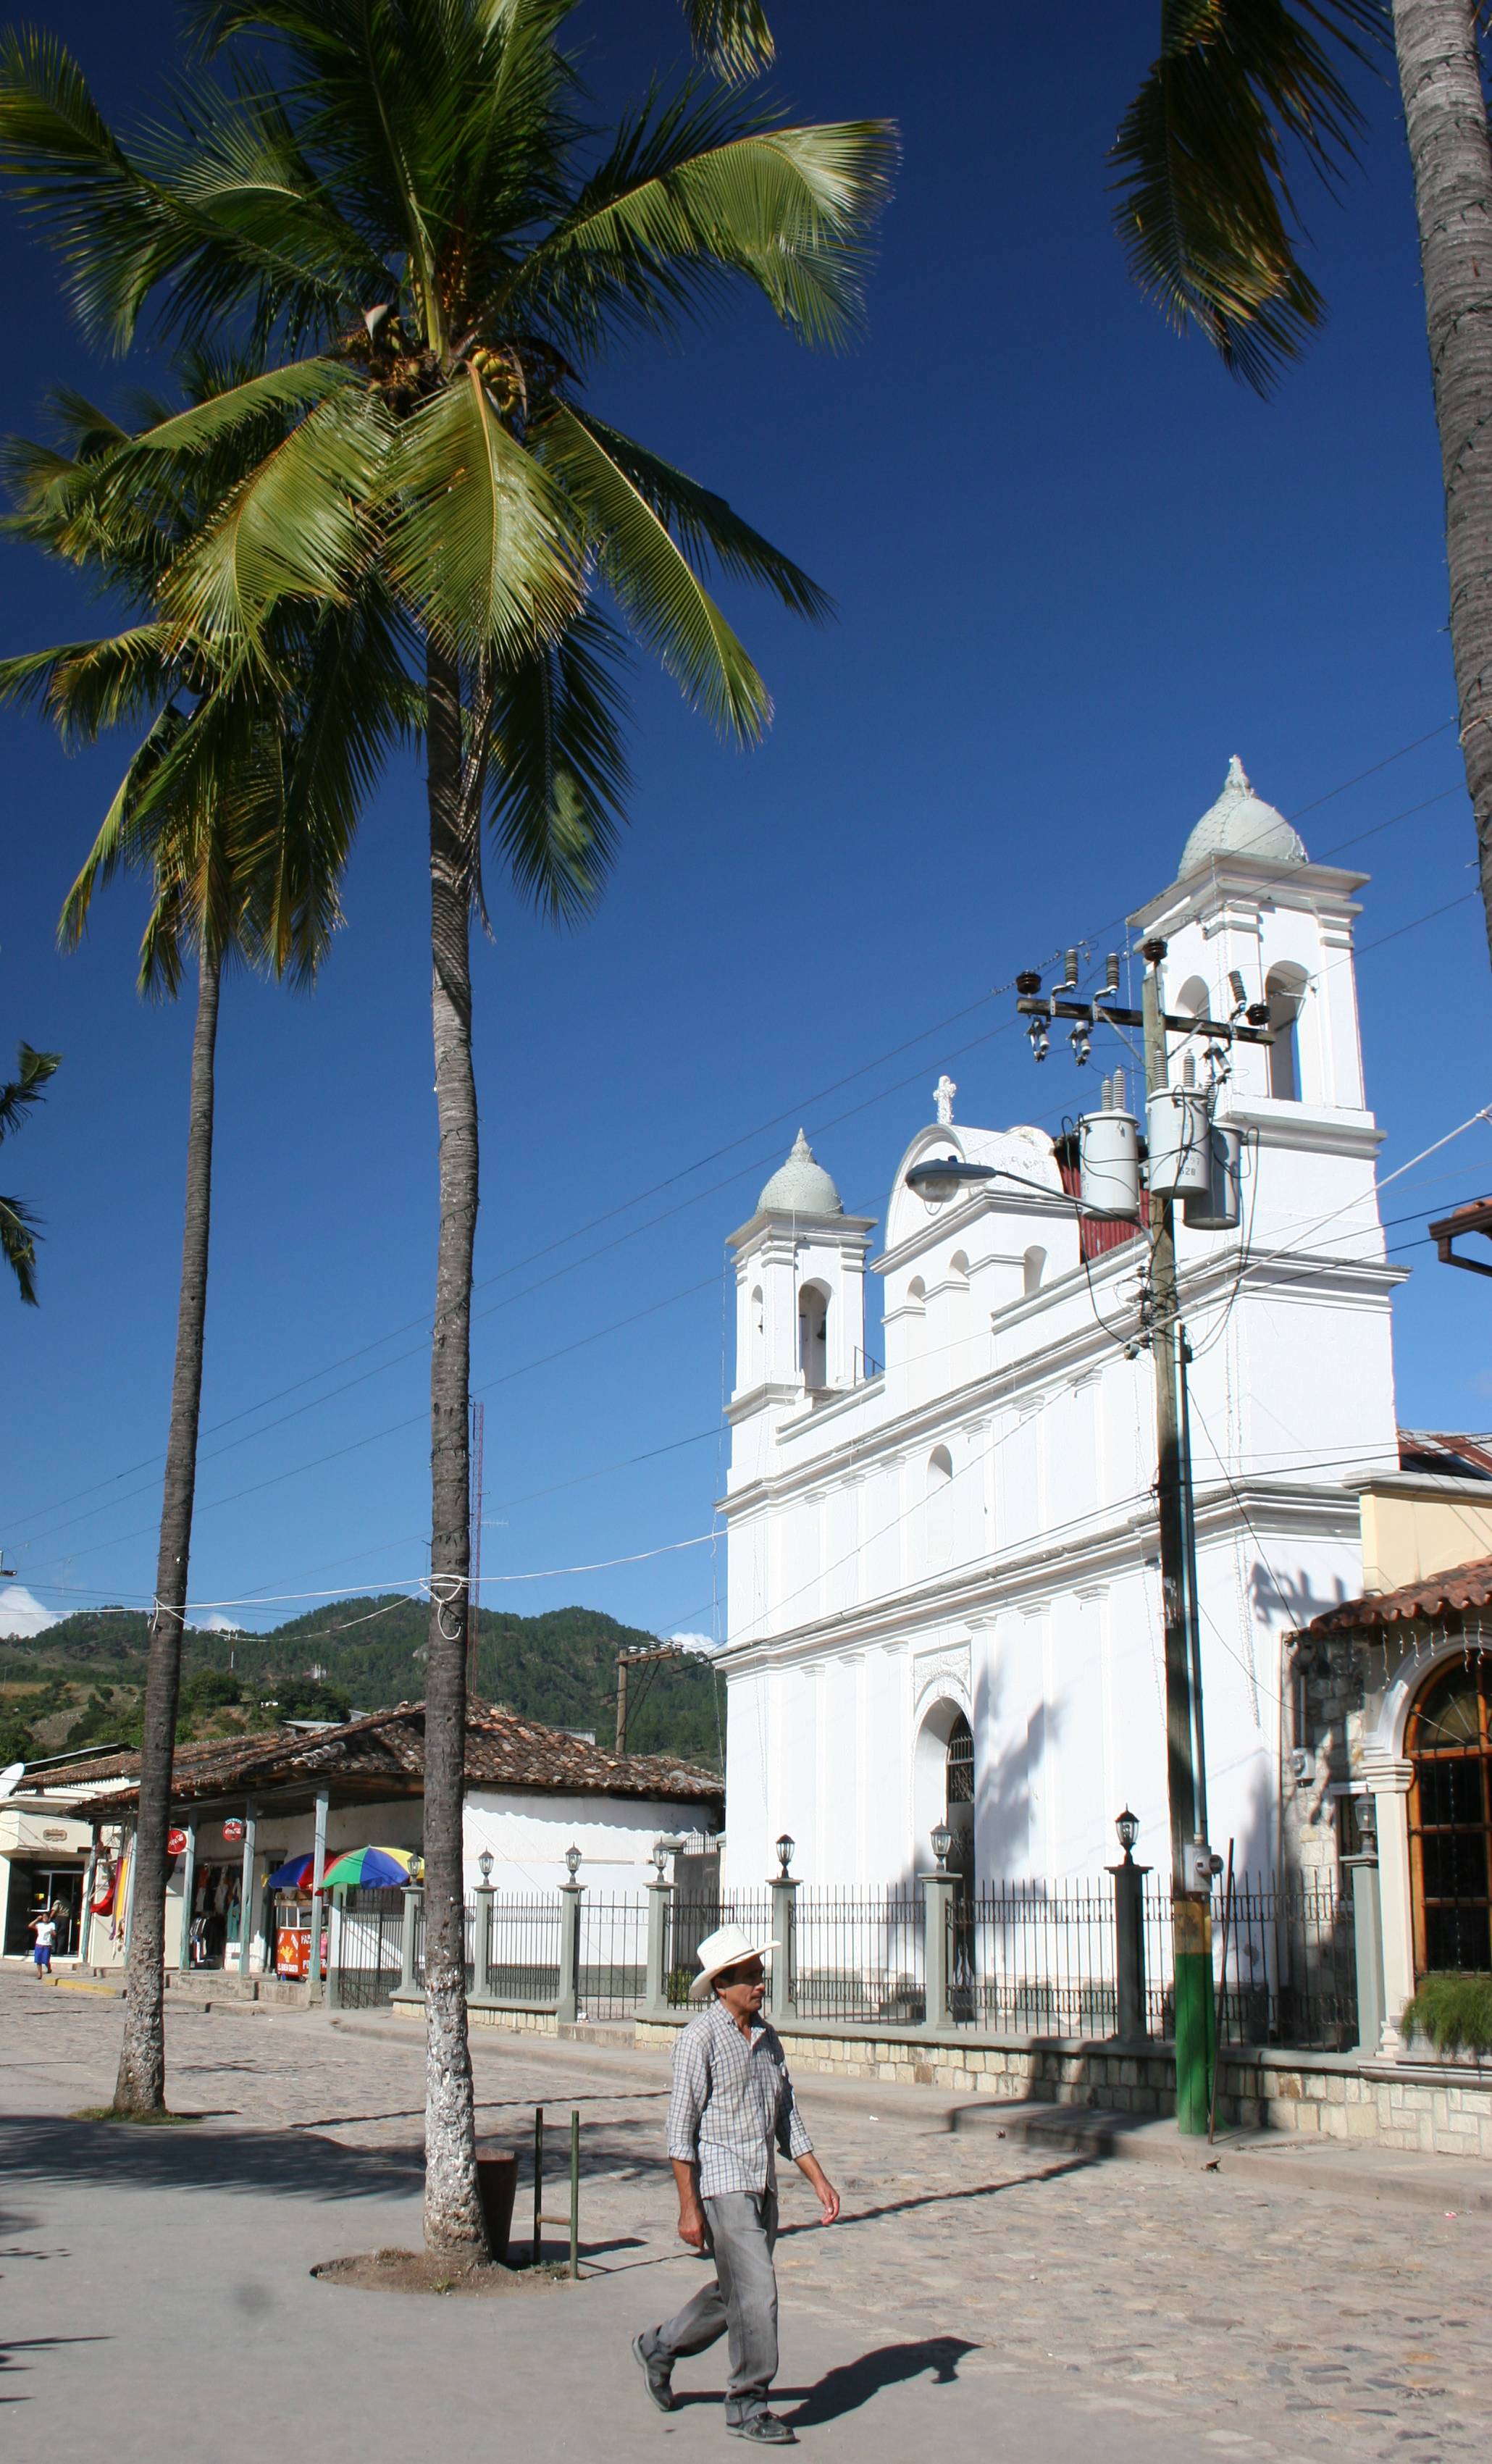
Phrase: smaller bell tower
(799, 1297)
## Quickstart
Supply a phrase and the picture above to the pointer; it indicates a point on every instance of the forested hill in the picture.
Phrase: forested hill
(81, 1683)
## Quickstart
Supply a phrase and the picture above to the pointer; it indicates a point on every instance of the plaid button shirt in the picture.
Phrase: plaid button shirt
(732, 2105)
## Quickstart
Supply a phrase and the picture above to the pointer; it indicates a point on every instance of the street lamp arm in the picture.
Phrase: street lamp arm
(942, 1177)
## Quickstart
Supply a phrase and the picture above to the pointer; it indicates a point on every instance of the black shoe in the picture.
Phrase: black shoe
(658, 2374)
(763, 2429)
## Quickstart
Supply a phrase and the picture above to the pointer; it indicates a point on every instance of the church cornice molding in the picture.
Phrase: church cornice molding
(1118, 1545)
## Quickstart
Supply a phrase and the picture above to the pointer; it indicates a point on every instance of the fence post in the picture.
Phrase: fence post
(1367, 1948)
(655, 1988)
(334, 1945)
(568, 2009)
(937, 1893)
(413, 1894)
(782, 1972)
(482, 1943)
(1130, 2015)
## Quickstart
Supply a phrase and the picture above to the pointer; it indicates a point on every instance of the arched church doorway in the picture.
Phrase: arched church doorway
(1449, 1744)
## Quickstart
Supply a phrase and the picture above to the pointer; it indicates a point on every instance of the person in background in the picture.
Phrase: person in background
(45, 1929)
(732, 2110)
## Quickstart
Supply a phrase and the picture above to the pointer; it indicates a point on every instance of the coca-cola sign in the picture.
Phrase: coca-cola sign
(232, 1830)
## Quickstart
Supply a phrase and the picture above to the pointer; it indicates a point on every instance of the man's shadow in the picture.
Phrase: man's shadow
(852, 2383)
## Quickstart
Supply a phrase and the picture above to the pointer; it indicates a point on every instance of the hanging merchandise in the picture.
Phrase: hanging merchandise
(105, 1874)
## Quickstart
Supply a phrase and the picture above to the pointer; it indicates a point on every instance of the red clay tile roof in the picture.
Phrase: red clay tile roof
(1447, 1595)
(502, 1750)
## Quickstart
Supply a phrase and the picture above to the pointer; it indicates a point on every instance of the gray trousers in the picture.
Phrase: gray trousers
(740, 2229)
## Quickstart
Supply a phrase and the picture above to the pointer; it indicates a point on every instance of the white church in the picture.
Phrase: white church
(944, 1593)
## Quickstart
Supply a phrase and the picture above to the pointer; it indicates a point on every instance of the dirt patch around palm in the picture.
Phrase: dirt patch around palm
(417, 2271)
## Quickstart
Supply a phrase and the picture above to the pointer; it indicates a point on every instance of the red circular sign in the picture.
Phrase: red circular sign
(232, 1830)
(176, 1844)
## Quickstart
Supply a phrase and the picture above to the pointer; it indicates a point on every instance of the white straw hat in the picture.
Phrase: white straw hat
(725, 1949)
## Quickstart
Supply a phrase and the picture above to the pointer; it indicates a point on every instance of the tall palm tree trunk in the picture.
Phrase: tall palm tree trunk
(452, 2205)
(1446, 112)
(140, 2085)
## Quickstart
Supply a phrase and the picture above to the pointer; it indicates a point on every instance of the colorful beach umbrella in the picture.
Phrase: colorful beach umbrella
(369, 1869)
(297, 1875)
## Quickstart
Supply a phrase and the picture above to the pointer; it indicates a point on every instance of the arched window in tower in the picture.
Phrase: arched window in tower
(940, 1518)
(813, 1336)
(757, 1333)
(1194, 1000)
(1285, 988)
(1033, 1266)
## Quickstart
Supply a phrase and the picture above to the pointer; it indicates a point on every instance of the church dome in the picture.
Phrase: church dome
(1242, 824)
(799, 1186)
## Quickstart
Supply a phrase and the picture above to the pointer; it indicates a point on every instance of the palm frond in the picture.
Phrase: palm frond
(297, 528)
(18, 1246)
(686, 197)
(732, 35)
(705, 525)
(558, 777)
(20, 1093)
(480, 544)
(1205, 206)
(662, 599)
(86, 686)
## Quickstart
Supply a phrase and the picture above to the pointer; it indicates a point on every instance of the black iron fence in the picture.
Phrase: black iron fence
(1022, 1957)
(523, 1947)
(1037, 1960)
(613, 1966)
(860, 1956)
(366, 1947)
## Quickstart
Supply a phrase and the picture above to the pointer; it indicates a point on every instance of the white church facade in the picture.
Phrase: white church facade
(944, 1585)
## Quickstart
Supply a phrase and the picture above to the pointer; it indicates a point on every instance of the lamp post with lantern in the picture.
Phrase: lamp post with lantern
(782, 1974)
(482, 1926)
(567, 2009)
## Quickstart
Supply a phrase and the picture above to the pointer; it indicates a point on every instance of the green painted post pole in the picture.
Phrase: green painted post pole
(575, 2191)
(334, 1948)
(539, 2183)
(1192, 1908)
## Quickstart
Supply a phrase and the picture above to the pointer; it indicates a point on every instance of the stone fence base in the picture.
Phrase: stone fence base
(1442, 2109)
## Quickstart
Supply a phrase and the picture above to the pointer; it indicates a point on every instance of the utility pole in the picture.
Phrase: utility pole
(627, 1659)
(1163, 1333)
(1185, 1769)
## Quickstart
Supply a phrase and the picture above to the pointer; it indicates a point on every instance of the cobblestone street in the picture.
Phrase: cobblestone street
(975, 2290)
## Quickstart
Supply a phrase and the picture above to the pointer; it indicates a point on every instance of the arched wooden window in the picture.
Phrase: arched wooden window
(1449, 1744)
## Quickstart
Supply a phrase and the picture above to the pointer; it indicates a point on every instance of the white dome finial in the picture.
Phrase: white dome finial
(801, 1186)
(1242, 824)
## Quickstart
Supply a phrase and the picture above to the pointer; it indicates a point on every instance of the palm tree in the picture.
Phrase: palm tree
(17, 1223)
(238, 808)
(1207, 212)
(422, 203)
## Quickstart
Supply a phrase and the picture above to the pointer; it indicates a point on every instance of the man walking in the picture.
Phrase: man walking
(732, 2108)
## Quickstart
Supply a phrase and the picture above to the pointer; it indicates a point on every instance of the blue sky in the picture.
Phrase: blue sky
(1076, 568)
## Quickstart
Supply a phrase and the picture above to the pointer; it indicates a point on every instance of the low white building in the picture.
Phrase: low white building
(944, 1583)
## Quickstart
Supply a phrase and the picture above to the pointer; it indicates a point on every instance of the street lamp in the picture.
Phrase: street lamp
(1366, 1809)
(1128, 1826)
(785, 1846)
(572, 1862)
(943, 1177)
(942, 1842)
(483, 1866)
(660, 1857)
